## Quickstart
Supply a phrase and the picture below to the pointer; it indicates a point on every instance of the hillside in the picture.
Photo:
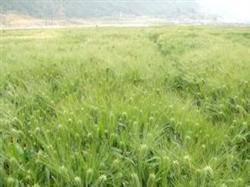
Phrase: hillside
(92, 9)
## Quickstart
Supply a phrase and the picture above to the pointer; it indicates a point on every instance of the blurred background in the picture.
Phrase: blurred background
(124, 12)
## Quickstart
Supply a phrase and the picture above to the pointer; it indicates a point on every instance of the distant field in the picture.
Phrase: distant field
(167, 106)
(13, 21)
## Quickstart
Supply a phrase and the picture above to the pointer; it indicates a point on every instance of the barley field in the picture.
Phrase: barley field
(161, 106)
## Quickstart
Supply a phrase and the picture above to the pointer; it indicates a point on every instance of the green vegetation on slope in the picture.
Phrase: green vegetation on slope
(125, 107)
(97, 8)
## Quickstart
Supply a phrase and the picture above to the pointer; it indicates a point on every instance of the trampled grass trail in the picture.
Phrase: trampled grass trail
(164, 106)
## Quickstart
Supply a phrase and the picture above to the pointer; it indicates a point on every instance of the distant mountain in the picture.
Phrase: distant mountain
(99, 8)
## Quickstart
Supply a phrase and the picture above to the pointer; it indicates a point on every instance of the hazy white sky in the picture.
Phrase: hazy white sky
(228, 10)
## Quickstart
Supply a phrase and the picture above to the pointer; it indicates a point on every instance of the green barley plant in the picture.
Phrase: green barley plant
(160, 106)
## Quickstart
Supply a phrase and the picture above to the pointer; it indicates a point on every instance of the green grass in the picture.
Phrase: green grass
(134, 107)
